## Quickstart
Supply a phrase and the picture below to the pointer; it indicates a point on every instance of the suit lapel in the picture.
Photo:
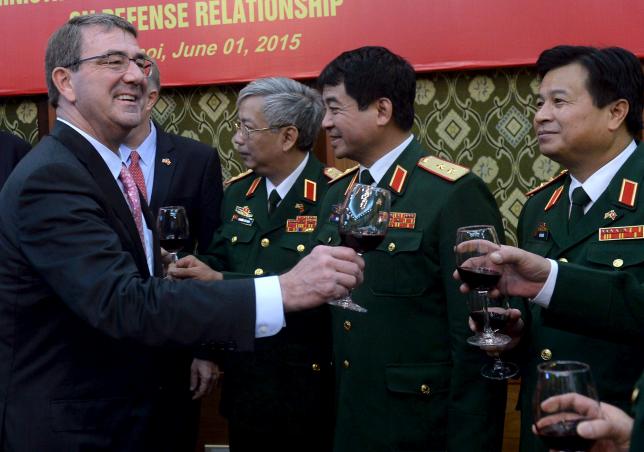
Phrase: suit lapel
(165, 162)
(556, 217)
(115, 200)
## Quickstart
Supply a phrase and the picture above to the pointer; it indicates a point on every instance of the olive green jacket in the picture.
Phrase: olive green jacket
(543, 229)
(405, 377)
(283, 390)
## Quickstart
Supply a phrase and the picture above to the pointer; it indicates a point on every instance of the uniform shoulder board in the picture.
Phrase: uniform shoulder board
(344, 174)
(331, 172)
(442, 168)
(238, 177)
(548, 183)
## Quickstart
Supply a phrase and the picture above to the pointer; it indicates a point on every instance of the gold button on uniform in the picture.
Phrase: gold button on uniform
(546, 354)
(265, 243)
(617, 263)
(635, 395)
(300, 248)
(563, 259)
(233, 239)
(424, 389)
(328, 240)
(347, 325)
(391, 247)
(345, 364)
(259, 272)
(315, 367)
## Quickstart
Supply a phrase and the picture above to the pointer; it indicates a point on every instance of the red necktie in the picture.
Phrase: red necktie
(133, 199)
(137, 174)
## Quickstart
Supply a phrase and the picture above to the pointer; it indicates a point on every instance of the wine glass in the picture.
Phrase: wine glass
(172, 224)
(558, 430)
(363, 221)
(470, 263)
(498, 315)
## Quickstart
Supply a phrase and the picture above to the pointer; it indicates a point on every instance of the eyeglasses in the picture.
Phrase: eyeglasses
(118, 62)
(246, 131)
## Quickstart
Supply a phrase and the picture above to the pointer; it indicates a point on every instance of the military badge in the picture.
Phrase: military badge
(554, 198)
(310, 190)
(541, 232)
(303, 223)
(402, 220)
(621, 233)
(628, 193)
(610, 214)
(253, 187)
(336, 209)
(243, 215)
(299, 207)
(166, 162)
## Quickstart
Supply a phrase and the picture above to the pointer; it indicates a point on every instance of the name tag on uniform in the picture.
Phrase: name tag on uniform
(621, 233)
(302, 223)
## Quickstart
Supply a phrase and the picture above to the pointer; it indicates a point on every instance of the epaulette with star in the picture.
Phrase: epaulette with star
(442, 168)
(331, 173)
(547, 183)
(344, 174)
(238, 177)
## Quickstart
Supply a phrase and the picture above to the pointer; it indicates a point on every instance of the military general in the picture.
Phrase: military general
(405, 377)
(282, 392)
(589, 112)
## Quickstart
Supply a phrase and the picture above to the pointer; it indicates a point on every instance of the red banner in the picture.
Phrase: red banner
(223, 41)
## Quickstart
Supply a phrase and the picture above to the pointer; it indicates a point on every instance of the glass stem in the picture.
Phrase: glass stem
(487, 330)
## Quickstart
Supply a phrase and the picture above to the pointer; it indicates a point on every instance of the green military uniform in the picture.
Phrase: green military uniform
(281, 394)
(405, 377)
(543, 229)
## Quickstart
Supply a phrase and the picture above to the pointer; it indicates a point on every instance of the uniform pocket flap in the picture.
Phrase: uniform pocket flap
(419, 379)
(616, 253)
(401, 241)
(238, 234)
(328, 234)
(296, 241)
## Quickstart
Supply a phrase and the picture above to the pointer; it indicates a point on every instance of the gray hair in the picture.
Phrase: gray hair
(154, 80)
(65, 45)
(287, 102)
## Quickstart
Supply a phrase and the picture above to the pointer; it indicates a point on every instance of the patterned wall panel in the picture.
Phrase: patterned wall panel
(19, 115)
(479, 119)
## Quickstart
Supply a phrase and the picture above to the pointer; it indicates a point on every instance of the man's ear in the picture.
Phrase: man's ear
(617, 111)
(62, 78)
(153, 97)
(289, 137)
(385, 111)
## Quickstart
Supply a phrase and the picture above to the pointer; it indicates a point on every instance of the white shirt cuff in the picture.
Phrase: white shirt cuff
(545, 294)
(269, 309)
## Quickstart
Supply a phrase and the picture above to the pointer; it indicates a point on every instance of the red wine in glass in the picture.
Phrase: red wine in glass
(497, 319)
(562, 436)
(361, 242)
(479, 278)
(172, 245)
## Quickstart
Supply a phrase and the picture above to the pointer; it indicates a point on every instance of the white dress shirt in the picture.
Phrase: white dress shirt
(381, 166)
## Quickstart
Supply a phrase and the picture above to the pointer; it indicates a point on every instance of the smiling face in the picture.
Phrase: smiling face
(571, 130)
(351, 131)
(104, 102)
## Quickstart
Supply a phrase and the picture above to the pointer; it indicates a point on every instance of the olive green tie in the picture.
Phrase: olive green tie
(366, 178)
(579, 200)
(273, 200)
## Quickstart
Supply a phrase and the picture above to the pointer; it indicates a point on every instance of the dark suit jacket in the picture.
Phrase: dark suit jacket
(616, 366)
(188, 173)
(406, 379)
(12, 149)
(80, 318)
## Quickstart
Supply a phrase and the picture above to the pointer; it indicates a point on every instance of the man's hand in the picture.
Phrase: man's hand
(608, 425)
(513, 328)
(523, 274)
(203, 376)
(190, 267)
(328, 273)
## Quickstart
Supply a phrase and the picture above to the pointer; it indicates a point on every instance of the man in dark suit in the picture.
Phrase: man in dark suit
(81, 320)
(589, 111)
(282, 392)
(173, 170)
(12, 149)
(406, 379)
